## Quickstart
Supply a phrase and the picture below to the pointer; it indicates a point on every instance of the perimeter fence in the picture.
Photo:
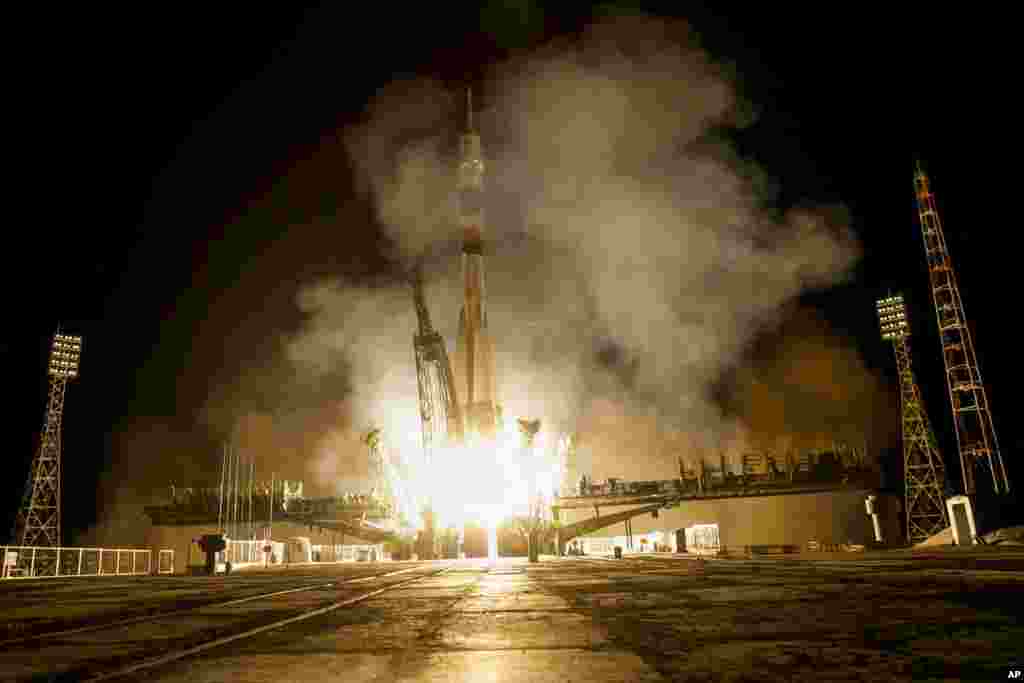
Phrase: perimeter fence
(24, 562)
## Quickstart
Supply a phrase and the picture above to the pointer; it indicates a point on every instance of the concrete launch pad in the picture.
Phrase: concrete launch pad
(877, 616)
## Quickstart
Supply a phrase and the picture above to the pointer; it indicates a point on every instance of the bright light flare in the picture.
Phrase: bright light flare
(488, 480)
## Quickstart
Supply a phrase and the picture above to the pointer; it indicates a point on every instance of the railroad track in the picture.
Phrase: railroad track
(97, 652)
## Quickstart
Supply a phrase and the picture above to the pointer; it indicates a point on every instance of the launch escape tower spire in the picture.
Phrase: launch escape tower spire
(38, 520)
(475, 378)
(975, 433)
(439, 406)
(923, 469)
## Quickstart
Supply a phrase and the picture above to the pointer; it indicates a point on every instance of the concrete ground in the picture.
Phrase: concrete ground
(941, 615)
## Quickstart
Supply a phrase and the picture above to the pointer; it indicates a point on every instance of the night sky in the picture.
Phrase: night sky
(144, 140)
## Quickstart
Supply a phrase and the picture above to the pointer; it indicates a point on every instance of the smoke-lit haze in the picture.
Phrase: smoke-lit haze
(632, 260)
(629, 259)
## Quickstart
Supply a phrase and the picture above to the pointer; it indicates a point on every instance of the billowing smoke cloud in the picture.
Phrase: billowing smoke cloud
(813, 388)
(149, 456)
(630, 260)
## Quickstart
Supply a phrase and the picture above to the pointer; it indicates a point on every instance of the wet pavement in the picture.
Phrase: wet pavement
(944, 615)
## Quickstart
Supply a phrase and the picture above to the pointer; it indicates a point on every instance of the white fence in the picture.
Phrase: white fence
(241, 552)
(348, 553)
(23, 562)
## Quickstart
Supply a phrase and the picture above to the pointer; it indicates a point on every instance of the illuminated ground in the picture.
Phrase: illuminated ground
(880, 617)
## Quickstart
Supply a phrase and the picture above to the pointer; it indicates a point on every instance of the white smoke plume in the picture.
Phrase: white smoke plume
(630, 258)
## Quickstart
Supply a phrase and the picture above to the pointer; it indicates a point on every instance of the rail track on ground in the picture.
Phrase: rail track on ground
(127, 647)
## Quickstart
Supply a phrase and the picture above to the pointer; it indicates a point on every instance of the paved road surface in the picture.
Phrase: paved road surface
(947, 615)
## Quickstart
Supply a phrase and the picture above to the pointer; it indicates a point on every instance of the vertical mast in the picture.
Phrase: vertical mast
(235, 489)
(252, 483)
(440, 417)
(975, 433)
(228, 500)
(220, 498)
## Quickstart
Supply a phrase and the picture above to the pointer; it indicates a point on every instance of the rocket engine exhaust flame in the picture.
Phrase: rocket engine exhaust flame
(492, 478)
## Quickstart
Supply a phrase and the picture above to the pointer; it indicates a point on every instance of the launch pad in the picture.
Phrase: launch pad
(886, 616)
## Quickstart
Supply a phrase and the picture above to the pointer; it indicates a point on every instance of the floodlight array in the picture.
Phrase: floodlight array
(892, 317)
(65, 355)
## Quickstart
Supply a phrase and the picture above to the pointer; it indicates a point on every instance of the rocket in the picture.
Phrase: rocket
(473, 369)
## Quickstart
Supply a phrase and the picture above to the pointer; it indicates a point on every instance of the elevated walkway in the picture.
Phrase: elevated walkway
(327, 514)
(679, 490)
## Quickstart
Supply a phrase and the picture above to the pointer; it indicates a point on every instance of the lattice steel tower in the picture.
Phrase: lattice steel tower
(38, 520)
(372, 439)
(380, 473)
(975, 433)
(439, 407)
(923, 470)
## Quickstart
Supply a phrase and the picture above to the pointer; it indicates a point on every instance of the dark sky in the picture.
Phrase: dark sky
(142, 138)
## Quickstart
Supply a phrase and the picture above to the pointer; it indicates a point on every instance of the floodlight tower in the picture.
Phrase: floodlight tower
(923, 470)
(975, 433)
(38, 521)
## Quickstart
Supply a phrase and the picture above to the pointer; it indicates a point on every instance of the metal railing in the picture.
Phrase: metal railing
(241, 552)
(830, 547)
(24, 562)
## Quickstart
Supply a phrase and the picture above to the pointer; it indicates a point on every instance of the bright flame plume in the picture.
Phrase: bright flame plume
(486, 480)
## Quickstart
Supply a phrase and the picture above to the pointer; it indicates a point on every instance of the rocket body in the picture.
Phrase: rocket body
(473, 368)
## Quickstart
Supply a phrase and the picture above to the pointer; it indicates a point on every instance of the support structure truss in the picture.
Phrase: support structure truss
(38, 521)
(382, 484)
(439, 407)
(923, 469)
(975, 433)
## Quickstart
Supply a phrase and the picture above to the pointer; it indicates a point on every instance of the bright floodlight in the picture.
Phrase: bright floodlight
(64, 355)
(892, 317)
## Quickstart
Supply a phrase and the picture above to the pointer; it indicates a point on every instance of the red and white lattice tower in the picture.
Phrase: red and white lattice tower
(975, 433)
